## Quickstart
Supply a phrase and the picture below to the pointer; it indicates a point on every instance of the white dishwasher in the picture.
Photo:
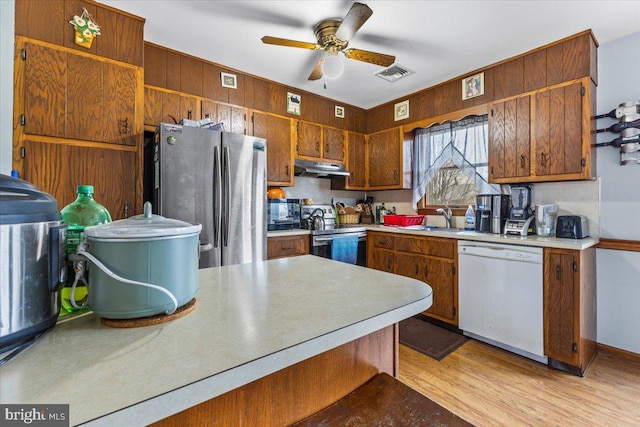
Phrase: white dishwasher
(500, 296)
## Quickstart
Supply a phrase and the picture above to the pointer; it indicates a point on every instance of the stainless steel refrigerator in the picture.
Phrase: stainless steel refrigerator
(217, 179)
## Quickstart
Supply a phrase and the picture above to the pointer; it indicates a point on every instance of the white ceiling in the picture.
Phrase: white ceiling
(438, 39)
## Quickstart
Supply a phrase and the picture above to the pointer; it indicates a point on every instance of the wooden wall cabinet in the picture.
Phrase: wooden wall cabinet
(278, 131)
(316, 142)
(233, 118)
(58, 168)
(558, 130)
(385, 159)
(432, 260)
(287, 246)
(77, 96)
(510, 139)
(546, 135)
(162, 106)
(78, 120)
(570, 308)
(356, 164)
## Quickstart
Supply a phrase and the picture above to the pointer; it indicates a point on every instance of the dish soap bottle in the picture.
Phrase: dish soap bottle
(470, 219)
(85, 211)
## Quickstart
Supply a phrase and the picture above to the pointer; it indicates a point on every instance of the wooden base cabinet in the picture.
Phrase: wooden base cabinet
(432, 260)
(287, 246)
(570, 308)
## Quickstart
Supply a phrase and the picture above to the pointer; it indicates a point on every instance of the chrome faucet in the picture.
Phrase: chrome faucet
(446, 214)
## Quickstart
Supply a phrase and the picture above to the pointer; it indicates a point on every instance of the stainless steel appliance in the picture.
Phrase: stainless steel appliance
(483, 213)
(217, 179)
(319, 169)
(283, 214)
(322, 239)
(499, 212)
(572, 227)
(546, 219)
(500, 296)
(521, 216)
(32, 262)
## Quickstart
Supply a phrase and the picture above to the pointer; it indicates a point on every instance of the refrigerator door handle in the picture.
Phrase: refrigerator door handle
(227, 199)
(217, 197)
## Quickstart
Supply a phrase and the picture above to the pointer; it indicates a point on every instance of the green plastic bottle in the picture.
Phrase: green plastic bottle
(85, 211)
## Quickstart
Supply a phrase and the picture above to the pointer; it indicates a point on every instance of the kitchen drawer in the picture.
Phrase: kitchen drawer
(440, 247)
(286, 246)
(409, 244)
(382, 240)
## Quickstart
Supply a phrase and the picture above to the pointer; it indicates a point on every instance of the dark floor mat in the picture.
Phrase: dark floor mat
(428, 339)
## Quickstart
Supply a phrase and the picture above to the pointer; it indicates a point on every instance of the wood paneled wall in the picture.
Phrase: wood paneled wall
(177, 71)
(48, 20)
(561, 61)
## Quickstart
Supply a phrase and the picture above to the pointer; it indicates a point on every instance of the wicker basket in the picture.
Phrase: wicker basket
(349, 218)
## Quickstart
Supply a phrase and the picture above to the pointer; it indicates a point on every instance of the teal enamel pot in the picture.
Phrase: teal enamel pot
(145, 249)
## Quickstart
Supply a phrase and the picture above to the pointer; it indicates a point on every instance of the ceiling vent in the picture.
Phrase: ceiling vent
(394, 73)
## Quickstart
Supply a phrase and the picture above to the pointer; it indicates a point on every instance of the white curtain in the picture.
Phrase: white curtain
(465, 142)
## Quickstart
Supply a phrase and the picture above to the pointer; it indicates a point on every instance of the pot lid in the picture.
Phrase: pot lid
(22, 202)
(142, 226)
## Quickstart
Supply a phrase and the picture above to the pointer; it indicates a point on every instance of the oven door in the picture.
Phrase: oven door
(321, 246)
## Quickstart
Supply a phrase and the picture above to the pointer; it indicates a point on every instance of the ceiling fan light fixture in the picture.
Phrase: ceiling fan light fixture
(332, 66)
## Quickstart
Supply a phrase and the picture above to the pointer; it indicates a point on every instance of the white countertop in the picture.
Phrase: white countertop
(250, 320)
(548, 242)
(294, 232)
(533, 240)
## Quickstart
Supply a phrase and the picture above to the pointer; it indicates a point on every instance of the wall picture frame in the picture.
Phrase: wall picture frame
(473, 86)
(401, 110)
(339, 111)
(229, 80)
(293, 103)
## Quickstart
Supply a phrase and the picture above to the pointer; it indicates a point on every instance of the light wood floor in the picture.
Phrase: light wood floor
(491, 387)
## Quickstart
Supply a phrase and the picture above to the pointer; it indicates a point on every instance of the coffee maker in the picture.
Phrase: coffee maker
(492, 211)
(483, 213)
(500, 204)
(521, 216)
(546, 219)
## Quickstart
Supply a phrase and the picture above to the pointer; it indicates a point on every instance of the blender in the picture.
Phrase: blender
(521, 215)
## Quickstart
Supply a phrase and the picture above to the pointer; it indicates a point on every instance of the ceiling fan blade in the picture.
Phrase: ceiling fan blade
(289, 43)
(370, 57)
(316, 74)
(357, 15)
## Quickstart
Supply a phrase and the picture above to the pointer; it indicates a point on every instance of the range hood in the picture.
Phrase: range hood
(318, 169)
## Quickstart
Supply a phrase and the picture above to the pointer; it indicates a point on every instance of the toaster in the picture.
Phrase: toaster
(572, 227)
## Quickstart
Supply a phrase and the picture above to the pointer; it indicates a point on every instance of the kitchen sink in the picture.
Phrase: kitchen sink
(433, 229)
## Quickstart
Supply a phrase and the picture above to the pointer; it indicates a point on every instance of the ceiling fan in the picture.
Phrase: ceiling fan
(333, 37)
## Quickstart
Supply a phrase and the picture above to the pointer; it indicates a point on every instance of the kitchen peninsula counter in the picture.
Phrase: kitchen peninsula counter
(250, 321)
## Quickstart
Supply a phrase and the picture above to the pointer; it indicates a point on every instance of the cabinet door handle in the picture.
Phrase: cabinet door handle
(558, 272)
(126, 210)
(426, 271)
(189, 114)
(124, 126)
(417, 270)
(287, 170)
(543, 159)
(389, 265)
(522, 161)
